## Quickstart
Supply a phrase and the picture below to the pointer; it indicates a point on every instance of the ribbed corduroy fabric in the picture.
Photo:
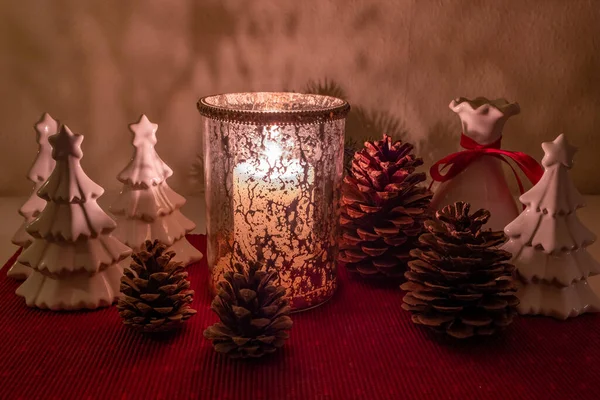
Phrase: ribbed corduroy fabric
(359, 345)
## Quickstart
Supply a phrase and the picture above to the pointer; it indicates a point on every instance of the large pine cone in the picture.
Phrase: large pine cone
(156, 294)
(383, 209)
(254, 313)
(460, 282)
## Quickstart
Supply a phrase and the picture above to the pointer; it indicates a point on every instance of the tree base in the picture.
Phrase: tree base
(76, 292)
(185, 252)
(62, 258)
(565, 269)
(557, 302)
(19, 271)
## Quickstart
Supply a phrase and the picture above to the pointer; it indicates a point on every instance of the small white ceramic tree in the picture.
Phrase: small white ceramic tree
(39, 172)
(74, 257)
(549, 242)
(147, 208)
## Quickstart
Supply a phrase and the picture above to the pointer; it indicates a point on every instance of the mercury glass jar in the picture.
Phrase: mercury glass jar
(273, 169)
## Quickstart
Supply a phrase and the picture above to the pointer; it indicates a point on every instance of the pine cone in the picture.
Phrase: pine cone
(383, 209)
(460, 282)
(254, 313)
(156, 294)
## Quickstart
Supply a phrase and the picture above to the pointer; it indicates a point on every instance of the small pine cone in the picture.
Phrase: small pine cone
(460, 282)
(383, 209)
(155, 291)
(254, 313)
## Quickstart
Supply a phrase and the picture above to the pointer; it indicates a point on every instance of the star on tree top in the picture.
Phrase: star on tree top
(66, 143)
(144, 132)
(45, 127)
(558, 151)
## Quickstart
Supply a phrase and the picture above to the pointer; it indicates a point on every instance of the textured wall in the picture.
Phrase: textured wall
(97, 65)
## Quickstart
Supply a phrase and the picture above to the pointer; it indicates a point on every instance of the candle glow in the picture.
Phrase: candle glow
(269, 203)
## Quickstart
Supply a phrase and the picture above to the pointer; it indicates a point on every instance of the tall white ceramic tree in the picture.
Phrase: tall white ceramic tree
(74, 257)
(39, 172)
(549, 242)
(147, 208)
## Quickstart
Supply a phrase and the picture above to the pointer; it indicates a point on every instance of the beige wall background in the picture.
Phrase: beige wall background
(96, 65)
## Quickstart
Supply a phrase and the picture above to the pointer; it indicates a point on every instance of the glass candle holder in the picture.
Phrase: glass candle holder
(273, 169)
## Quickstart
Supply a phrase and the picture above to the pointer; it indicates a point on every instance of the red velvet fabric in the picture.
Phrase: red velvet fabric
(360, 345)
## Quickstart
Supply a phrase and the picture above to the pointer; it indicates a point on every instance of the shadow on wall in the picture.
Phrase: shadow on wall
(97, 65)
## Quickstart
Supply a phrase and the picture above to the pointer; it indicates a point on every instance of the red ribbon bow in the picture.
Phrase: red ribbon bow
(473, 150)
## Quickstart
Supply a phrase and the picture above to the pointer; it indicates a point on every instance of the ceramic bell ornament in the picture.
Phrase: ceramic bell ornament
(39, 172)
(549, 243)
(147, 208)
(475, 175)
(75, 260)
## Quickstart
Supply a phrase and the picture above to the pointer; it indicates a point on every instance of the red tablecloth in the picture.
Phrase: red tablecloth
(360, 345)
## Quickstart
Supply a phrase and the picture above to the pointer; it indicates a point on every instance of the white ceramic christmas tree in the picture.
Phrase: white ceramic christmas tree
(549, 242)
(39, 172)
(74, 257)
(147, 208)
